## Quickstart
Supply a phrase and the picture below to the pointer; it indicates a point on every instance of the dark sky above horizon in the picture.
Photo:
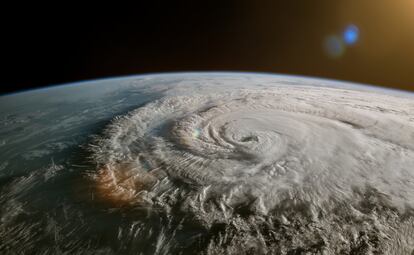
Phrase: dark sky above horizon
(41, 48)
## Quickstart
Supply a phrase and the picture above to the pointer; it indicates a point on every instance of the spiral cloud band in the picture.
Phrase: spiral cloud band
(268, 168)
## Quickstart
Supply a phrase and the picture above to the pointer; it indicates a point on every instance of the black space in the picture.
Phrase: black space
(64, 43)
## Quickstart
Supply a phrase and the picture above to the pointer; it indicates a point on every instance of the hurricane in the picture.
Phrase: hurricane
(265, 170)
(207, 163)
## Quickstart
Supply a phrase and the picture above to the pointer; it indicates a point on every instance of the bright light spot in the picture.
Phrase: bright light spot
(196, 133)
(351, 34)
(334, 46)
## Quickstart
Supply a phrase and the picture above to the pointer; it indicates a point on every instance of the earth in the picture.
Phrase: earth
(207, 163)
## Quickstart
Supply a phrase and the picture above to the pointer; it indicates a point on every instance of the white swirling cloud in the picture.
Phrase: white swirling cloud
(285, 152)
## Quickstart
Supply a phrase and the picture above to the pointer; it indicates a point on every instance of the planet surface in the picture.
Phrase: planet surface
(207, 163)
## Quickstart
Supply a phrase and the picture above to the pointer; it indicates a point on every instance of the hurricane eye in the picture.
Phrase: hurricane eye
(249, 139)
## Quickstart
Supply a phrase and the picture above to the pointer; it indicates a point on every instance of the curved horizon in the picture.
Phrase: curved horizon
(354, 84)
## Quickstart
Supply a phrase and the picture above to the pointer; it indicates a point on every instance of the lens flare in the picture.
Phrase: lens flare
(196, 133)
(351, 34)
(334, 46)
